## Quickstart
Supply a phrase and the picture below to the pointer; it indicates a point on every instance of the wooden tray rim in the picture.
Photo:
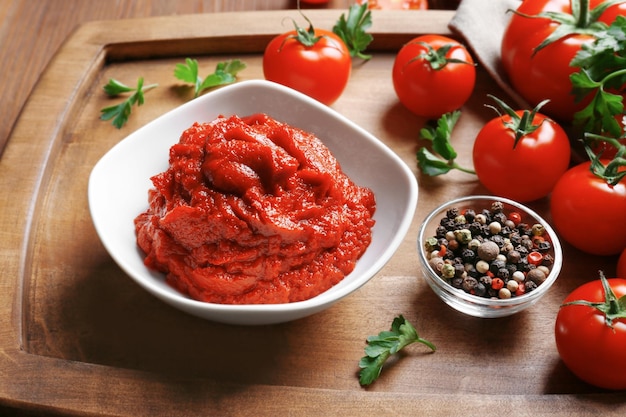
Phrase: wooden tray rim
(87, 388)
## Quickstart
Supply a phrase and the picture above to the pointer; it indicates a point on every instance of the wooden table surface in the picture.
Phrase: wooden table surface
(32, 32)
(70, 315)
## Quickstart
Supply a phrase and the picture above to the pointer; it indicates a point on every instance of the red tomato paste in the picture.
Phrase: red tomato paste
(253, 211)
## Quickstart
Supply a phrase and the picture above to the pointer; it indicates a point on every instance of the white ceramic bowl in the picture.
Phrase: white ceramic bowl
(119, 184)
(474, 305)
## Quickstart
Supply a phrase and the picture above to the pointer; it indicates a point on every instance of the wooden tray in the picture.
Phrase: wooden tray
(80, 338)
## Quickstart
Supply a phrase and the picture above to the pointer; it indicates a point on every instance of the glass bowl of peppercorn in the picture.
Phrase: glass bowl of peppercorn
(488, 256)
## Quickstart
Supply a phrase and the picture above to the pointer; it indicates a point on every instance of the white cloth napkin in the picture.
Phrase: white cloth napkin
(482, 24)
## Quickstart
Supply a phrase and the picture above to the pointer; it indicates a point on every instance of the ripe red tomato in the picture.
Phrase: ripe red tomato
(588, 346)
(427, 90)
(527, 171)
(545, 75)
(588, 213)
(321, 70)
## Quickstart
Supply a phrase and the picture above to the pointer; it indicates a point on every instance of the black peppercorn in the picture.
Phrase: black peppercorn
(452, 213)
(480, 289)
(486, 280)
(468, 255)
(544, 246)
(503, 273)
(469, 283)
(496, 265)
(499, 217)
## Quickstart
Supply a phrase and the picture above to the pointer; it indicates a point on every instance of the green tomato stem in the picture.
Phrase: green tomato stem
(612, 307)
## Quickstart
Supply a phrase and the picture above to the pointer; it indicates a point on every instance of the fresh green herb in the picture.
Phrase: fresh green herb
(353, 30)
(442, 159)
(225, 73)
(120, 112)
(602, 69)
(380, 348)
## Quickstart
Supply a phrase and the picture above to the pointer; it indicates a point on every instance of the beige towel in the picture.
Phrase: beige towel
(482, 24)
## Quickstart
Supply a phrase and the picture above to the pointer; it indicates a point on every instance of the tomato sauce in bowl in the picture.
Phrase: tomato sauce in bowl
(253, 211)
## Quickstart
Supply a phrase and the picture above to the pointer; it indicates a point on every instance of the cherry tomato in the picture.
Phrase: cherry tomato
(430, 82)
(621, 265)
(545, 74)
(396, 4)
(321, 70)
(588, 346)
(588, 213)
(530, 169)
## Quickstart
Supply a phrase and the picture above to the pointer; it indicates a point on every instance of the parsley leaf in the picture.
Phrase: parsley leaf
(120, 112)
(380, 348)
(225, 73)
(442, 160)
(602, 68)
(353, 30)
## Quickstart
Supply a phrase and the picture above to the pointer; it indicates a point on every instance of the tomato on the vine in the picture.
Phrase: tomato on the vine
(590, 338)
(538, 74)
(433, 75)
(315, 62)
(521, 154)
(588, 213)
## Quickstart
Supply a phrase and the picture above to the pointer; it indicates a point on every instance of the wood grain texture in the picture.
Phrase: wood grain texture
(78, 337)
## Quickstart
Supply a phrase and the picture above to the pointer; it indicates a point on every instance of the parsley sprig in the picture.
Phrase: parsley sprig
(225, 73)
(380, 348)
(602, 68)
(443, 157)
(353, 30)
(120, 112)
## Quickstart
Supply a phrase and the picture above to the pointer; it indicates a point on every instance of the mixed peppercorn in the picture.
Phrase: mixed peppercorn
(490, 253)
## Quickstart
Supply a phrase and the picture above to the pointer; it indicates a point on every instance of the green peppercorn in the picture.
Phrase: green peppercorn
(473, 244)
(447, 270)
(460, 219)
(463, 236)
(431, 244)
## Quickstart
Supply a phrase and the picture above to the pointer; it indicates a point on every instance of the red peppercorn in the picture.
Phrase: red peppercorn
(497, 283)
(521, 289)
(515, 217)
(535, 258)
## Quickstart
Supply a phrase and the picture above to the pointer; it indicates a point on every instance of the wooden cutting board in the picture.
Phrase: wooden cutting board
(78, 337)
